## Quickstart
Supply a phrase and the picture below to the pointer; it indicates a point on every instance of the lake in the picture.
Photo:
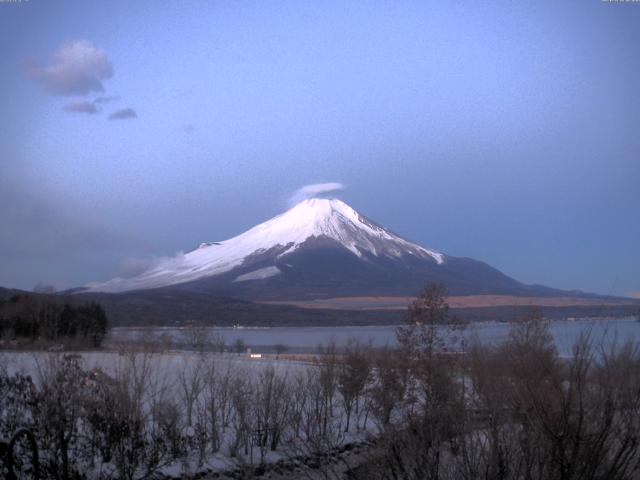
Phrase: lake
(305, 339)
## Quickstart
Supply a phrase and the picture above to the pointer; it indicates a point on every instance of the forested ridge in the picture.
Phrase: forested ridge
(51, 318)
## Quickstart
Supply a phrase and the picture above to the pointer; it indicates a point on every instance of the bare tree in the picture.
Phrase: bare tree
(191, 383)
(318, 437)
(239, 346)
(271, 408)
(415, 393)
(429, 328)
(535, 415)
(280, 349)
(353, 376)
(242, 422)
(388, 386)
(298, 402)
(58, 414)
(328, 377)
(134, 423)
(217, 342)
(215, 400)
(198, 336)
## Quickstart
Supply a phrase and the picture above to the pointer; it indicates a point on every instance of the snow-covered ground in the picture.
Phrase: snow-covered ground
(166, 365)
(172, 376)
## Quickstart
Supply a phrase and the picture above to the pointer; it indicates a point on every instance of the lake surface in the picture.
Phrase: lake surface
(305, 339)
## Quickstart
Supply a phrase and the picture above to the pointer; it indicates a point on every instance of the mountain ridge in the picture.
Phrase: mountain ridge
(320, 248)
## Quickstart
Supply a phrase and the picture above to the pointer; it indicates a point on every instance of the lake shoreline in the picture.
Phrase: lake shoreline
(306, 339)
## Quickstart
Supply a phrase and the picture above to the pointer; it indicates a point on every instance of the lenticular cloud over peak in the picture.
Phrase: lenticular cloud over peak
(315, 190)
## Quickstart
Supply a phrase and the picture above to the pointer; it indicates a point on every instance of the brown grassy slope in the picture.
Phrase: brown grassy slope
(466, 301)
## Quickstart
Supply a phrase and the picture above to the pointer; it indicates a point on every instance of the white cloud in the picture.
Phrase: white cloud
(77, 68)
(134, 266)
(315, 190)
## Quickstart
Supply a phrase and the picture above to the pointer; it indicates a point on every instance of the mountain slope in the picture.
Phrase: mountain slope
(319, 248)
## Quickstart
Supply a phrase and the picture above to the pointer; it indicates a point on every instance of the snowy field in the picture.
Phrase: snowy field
(307, 339)
(166, 366)
(214, 403)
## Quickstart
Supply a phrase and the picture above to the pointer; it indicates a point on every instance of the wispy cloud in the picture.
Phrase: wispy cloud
(45, 226)
(134, 266)
(106, 99)
(123, 114)
(76, 68)
(54, 238)
(187, 127)
(81, 107)
(315, 190)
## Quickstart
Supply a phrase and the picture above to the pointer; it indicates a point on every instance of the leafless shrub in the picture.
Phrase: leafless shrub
(191, 384)
(328, 378)
(388, 386)
(217, 342)
(239, 346)
(216, 403)
(241, 392)
(280, 349)
(271, 410)
(315, 435)
(535, 415)
(134, 424)
(57, 415)
(353, 376)
(298, 403)
(198, 336)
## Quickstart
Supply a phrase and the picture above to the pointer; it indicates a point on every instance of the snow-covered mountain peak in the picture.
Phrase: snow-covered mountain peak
(314, 218)
(317, 217)
(321, 207)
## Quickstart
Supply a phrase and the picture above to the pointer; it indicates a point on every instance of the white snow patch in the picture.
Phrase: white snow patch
(259, 274)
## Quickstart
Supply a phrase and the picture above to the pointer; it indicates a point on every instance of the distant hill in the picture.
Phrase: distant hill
(176, 307)
(7, 293)
(170, 307)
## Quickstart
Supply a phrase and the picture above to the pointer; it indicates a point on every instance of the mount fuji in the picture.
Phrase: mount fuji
(320, 248)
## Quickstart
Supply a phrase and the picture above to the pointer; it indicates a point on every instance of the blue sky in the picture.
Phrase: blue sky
(500, 131)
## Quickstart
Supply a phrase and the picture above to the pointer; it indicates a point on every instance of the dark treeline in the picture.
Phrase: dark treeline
(51, 318)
